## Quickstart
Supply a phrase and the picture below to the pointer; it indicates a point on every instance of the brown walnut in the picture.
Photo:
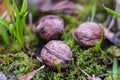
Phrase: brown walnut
(50, 27)
(56, 51)
(87, 34)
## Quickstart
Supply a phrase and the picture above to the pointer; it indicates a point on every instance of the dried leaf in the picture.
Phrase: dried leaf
(30, 75)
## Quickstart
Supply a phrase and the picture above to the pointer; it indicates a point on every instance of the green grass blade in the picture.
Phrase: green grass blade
(93, 13)
(58, 65)
(112, 12)
(26, 13)
(5, 35)
(24, 7)
(7, 5)
(15, 7)
(115, 69)
(4, 23)
(119, 74)
(18, 33)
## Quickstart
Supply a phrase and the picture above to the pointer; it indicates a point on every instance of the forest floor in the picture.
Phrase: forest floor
(15, 62)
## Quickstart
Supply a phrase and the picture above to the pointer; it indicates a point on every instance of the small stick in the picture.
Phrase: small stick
(108, 20)
(85, 73)
(30, 18)
(111, 23)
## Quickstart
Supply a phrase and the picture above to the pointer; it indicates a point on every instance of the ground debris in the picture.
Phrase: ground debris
(30, 75)
(2, 76)
(88, 76)
(53, 6)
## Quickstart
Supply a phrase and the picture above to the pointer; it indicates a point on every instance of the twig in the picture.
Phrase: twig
(30, 19)
(111, 23)
(39, 59)
(85, 73)
(108, 20)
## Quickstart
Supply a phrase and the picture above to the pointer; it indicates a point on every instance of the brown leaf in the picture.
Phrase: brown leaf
(30, 75)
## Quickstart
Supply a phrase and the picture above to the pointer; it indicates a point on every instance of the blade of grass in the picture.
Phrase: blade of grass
(93, 13)
(15, 8)
(115, 69)
(98, 44)
(111, 11)
(18, 33)
(3, 22)
(7, 5)
(58, 65)
(24, 7)
(119, 74)
(5, 35)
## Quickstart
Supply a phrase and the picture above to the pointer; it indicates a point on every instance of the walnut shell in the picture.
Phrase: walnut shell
(87, 34)
(50, 27)
(55, 51)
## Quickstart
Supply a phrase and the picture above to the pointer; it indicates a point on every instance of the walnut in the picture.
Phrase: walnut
(87, 34)
(56, 51)
(50, 27)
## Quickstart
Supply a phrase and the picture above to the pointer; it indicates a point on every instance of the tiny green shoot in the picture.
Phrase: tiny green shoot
(58, 65)
(5, 35)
